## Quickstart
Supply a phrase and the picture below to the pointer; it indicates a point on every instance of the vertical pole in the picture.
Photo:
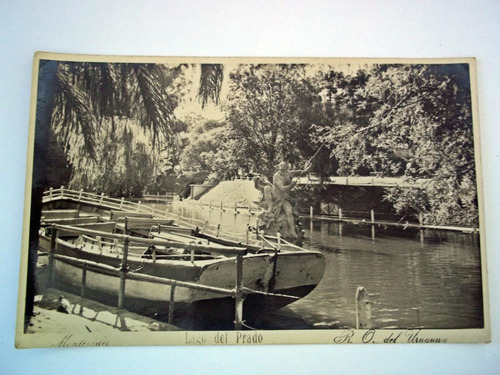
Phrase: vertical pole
(51, 190)
(123, 274)
(62, 191)
(340, 213)
(278, 236)
(171, 304)
(80, 195)
(121, 202)
(311, 212)
(372, 214)
(138, 206)
(84, 279)
(238, 310)
(191, 257)
(363, 309)
(421, 218)
(102, 198)
(53, 243)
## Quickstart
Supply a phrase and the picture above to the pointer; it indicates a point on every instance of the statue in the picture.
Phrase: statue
(279, 215)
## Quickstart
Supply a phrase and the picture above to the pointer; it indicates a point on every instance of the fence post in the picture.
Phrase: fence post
(123, 274)
(121, 202)
(238, 308)
(80, 195)
(372, 213)
(171, 303)
(102, 198)
(62, 191)
(50, 193)
(311, 212)
(84, 279)
(340, 213)
(421, 218)
(53, 244)
(138, 206)
(363, 309)
(99, 244)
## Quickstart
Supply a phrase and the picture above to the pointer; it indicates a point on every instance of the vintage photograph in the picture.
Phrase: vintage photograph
(207, 201)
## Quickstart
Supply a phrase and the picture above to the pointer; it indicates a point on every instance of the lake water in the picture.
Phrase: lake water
(428, 279)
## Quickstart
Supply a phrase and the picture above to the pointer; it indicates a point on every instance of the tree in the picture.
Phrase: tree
(211, 149)
(269, 114)
(76, 98)
(412, 121)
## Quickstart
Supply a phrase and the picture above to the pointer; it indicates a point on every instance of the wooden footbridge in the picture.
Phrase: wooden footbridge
(313, 179)
(362, 181)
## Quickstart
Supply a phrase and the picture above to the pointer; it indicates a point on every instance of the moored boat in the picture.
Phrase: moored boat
(108, 245)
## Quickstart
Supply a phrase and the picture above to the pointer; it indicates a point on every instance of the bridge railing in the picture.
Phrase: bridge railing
(102, 200)
(379, 181)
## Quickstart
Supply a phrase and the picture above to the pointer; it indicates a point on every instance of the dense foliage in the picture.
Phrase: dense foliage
(412, 121)
(119, 129)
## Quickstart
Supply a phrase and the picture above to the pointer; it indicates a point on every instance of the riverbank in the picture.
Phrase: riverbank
(73, 314)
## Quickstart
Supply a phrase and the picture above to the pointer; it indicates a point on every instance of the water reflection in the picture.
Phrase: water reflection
(416, 278)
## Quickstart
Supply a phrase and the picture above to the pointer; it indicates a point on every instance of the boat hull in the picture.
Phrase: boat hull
(194, 309)
(271, 279)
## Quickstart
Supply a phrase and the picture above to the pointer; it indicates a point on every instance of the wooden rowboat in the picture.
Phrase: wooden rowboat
(141, 260)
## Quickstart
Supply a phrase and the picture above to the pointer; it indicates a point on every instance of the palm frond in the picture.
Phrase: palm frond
(210, 83)
(78, 115)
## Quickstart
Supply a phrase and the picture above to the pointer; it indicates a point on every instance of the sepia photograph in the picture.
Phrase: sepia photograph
(215, 201)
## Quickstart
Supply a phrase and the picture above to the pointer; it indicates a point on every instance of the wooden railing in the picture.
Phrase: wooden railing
(102, 200)
(124, 272)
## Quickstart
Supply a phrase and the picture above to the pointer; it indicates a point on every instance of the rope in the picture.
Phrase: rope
(250, 328)
(271, 294)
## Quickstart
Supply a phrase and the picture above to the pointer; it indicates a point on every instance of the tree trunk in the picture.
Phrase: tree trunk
(47, 83)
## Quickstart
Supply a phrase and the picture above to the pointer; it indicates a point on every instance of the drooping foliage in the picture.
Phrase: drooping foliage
(211, 78)
(99, 108)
